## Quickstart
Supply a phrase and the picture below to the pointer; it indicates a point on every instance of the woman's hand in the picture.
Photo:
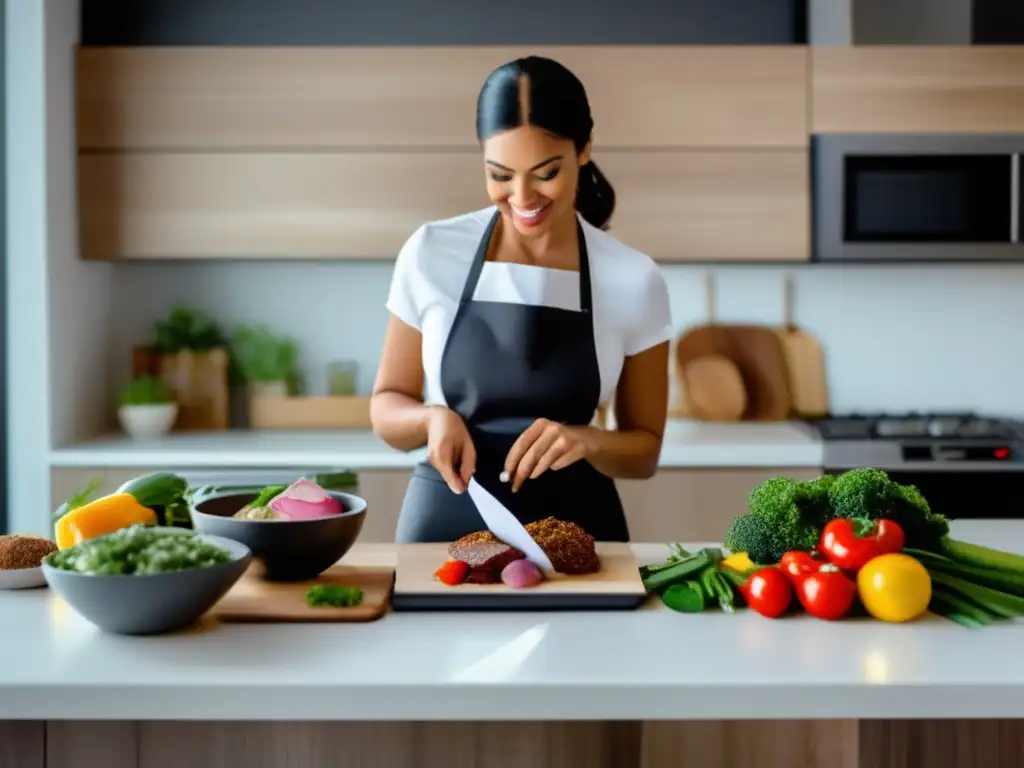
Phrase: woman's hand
(544, 445)
(450, 448)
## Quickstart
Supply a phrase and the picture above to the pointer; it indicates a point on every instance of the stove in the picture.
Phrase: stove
(966, 465)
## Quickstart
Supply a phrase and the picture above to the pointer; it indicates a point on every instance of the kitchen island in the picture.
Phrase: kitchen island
(647, 688)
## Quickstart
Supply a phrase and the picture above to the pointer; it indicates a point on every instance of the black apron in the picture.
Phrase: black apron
(504, 366)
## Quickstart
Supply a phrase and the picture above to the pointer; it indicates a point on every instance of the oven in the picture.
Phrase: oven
(917, 197)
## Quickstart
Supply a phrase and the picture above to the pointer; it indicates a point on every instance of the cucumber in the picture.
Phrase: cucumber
(677, 572)
(157, 489)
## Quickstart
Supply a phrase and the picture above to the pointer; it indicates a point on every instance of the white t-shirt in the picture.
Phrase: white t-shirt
(628, 293)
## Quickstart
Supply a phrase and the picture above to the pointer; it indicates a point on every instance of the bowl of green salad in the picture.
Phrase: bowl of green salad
(146, 580)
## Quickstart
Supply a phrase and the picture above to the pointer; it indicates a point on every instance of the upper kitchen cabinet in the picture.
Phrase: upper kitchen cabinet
(343, 152)
(917, 89)
(425, 98)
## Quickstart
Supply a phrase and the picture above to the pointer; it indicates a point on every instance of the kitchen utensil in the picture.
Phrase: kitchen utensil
(152, 603)
(505, 525)
(617, 586)
(254, 599)
(714, 389)
(22, 578)
(805, 363)
(754, 350)
(290, 550)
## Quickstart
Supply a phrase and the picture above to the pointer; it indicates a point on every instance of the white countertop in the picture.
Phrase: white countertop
(687, 444)
(647, 664)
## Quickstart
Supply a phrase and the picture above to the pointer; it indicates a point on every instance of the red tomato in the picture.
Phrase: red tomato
(827, 594)
(797, 565)
(850, 544)
(768, 592)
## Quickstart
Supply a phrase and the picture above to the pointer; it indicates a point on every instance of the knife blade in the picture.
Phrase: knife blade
(506, 526)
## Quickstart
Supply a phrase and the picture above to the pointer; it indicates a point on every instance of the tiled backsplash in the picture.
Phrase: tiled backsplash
(895, 338)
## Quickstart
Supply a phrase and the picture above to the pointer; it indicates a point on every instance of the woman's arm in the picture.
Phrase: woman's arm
(641, 407)
(397, 412)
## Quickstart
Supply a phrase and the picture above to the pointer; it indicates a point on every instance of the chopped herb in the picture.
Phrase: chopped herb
(333, 596)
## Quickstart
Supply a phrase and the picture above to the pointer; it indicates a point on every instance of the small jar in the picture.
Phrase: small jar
(342, 378)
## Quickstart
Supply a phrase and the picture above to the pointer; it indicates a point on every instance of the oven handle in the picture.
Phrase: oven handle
(1015, 198)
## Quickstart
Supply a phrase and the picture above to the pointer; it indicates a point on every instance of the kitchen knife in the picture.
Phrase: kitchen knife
(506, 526)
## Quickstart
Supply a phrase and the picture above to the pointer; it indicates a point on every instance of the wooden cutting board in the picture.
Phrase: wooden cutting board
(755, 350)
(253, 599)
(805, 363)
(617, 586)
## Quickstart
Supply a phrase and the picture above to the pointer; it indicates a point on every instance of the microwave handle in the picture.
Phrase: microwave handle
(1015, 198)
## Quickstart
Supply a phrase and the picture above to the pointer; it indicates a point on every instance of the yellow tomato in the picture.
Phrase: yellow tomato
(894, 587)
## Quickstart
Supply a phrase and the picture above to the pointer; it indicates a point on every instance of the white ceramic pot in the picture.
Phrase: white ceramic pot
(268, 389)
(147, 421)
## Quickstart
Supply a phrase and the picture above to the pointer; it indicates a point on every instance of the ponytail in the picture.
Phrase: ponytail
(595, 198)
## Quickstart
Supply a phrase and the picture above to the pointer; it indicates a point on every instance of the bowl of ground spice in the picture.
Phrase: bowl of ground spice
(21, 560)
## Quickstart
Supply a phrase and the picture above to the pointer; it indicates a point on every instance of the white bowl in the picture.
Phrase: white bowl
(22, 578)
(147, 421)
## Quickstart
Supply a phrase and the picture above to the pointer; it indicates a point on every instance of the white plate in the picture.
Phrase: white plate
(23, 578)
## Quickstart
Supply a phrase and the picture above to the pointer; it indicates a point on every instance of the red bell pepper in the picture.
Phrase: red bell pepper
(797, 565)
(850, 544)
(827, 594)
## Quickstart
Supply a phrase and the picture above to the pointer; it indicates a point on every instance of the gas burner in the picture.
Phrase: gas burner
(913, 426)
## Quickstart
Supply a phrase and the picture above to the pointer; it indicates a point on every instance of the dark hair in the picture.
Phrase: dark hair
(559, 105)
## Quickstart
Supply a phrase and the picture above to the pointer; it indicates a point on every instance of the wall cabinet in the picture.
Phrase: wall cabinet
(676, 504)
(341, 153)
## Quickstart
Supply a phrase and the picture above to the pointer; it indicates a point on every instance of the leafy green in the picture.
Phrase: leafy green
(333, 596)
(139, 550)
(186, 330)
(755, 536)
(146, 390)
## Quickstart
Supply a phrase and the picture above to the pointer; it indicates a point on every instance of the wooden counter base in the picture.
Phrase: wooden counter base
(708, 744)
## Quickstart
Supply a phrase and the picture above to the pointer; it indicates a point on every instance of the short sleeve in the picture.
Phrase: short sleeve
(404, 295)
(653, 320)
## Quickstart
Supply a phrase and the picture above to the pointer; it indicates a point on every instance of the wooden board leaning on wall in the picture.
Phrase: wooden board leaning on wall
(342, 153)
(917, 89)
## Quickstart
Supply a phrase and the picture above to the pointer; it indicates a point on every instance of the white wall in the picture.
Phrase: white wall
(896, 338)
(56, 324)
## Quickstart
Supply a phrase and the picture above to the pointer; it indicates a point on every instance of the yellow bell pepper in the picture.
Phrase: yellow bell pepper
(104, 515)
(740, 562)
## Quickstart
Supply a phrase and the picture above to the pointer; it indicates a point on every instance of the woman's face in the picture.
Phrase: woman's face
(532, 177)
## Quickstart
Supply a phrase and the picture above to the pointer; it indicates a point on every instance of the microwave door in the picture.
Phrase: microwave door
(904, 198)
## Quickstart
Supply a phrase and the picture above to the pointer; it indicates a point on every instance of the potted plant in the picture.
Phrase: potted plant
(266, 364)
(147, 408)
(189, 352)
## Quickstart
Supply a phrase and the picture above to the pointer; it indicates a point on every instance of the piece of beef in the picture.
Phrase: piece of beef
(485, 556)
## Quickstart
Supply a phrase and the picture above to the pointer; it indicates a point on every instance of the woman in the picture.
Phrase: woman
(510, 325)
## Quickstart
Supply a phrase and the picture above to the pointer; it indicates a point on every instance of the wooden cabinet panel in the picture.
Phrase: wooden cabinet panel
(22, 742)
(712, 206)
(384, 490)
(745, 206)
(924, 89)
(694, 504)
(405, 97)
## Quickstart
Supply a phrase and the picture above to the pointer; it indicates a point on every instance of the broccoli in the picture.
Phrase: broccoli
(777, 502)
(751, 534)
(871, 494)
(811, 496)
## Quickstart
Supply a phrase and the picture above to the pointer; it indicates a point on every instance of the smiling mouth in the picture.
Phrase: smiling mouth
(533, 216)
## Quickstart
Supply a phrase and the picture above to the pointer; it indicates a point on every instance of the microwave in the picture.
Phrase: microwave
(906, 197)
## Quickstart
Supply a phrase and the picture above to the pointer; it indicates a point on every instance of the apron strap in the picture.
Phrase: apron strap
(477, 267)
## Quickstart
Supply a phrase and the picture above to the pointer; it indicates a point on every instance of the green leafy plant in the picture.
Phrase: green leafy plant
(146, 390)
(258, 355)
(186, 329)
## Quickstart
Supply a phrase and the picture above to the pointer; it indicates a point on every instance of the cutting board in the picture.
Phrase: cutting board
(755, 350)
(253, 599)
(805, 363)
(617, 586)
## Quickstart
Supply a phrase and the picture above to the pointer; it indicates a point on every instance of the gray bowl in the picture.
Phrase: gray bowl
(153, 603)
(290, 550)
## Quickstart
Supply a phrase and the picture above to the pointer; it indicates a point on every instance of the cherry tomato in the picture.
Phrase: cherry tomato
(827, 594)
(797, 565)
(851, 544)
(768, 592)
